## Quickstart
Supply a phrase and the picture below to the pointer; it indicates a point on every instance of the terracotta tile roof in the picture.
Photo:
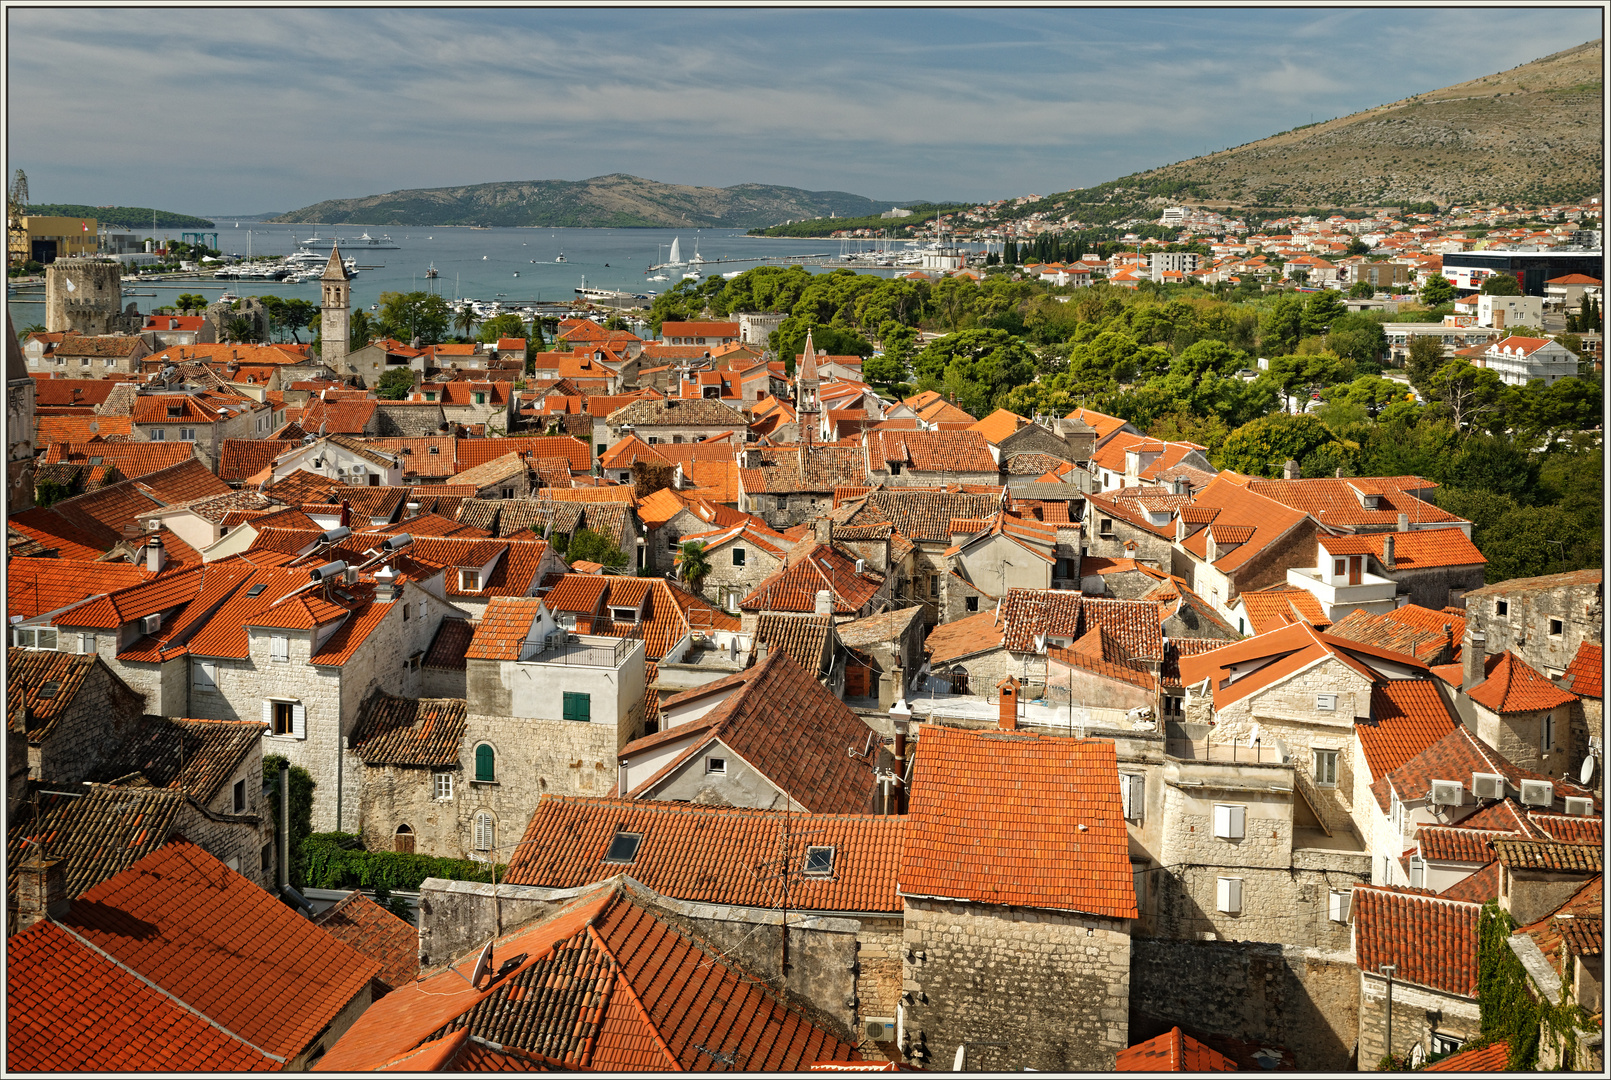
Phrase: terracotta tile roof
(578, 594)
(133, 460)
(1406, 717)
(1459, 844)
(699, 329)
(241, 458)
(803, 637)
(501, 634)
(73, 1009)
(449, 646)
(678, 412)
(1432, 940)
(417, 454)
(875, 629)
(35, 586)
(1336, 503)
(376, 933)
(660, 507)
(1568, 828)
(708, 854)
(922, 515)
(45, 682)
(1173, 595)
(930, 451)
(225, 633)
(1291, 649)
(794, 587)
(79, 428)
(190, 756)
(409, 731)
(1409, 629)
(338, 417)
(791, 730)
(1417, 549)
(1000, 424)
(1478, 888)
(1173, 1051)
(932, 407)
(366, 614)
(793, 469)
(180, 483)
(514, 575)
(1008, 818)
(605, 984)
(1548, 855)
(1239, 506)
(1175, 648)
(1548, 581)
(473, 452)
(87, 392)
(1103, 424)
(224, 946)
(1584, 675)
(97, 831)
(1514, 686)
(1495, 1057)
(1455, 757)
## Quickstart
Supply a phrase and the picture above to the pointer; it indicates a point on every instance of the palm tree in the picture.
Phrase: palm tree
(693, 566)
(238, 329)
(465, 319)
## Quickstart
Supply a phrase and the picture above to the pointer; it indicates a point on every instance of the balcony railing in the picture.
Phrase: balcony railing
(573, 649)
(1228, 753)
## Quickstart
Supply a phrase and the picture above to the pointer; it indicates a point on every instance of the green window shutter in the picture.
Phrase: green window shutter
(578, 707)
(484, 763)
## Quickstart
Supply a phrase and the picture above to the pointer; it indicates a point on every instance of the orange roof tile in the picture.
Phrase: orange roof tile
(1495, 1057)
(1406, 717)
(35, 586)
(1414, 550)
(73, 1009)
(1009, 818)
(1432, 940)
(568, 836)
(79, 428)
(378, 934)
(226, 947)
(998, 425)
(1282, 605)
(1173, 1051)
(502, 632)
(1584, 675)
(1514, 686)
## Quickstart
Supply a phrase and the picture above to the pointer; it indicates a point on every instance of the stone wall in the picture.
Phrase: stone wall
(236, 840)
(1437, 587)
(1457, 1016)
(1302, 999)
(1053, 986)
(1524, 629)
(1518, 736)
(94, 305)
(1150, 548)
(97, 720)
(1285, 905)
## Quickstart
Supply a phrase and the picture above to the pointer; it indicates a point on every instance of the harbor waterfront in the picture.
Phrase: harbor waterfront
(515, 266)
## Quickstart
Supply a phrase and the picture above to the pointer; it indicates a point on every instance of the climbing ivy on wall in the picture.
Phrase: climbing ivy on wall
(1510, 1012)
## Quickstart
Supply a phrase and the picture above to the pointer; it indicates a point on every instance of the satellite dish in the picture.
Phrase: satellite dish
(1586, 773)
(482, 965)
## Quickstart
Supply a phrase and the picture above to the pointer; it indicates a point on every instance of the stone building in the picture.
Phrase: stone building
(73, 710)
(1140, 529)
(676, 420)
(922, 522)
(20, 399)
(335, 313)
(885, 652)
(1019, 903)
(1233, 540)
(1431, 942)
(740, 557)
(787, 486)
(1544, 620)
(899, 458)
(85, 296)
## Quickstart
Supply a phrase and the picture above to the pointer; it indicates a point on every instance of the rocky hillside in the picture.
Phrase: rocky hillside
(1531, 134)
(614, 201)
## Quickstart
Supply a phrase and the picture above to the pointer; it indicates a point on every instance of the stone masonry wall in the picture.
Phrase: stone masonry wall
(1459, 1017)
(89, 729)
(1524, 629)
(1053, 986)
(1299, 998)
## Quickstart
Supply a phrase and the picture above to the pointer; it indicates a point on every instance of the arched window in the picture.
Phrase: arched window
(403, 840)
(485, 832)
(485, 763)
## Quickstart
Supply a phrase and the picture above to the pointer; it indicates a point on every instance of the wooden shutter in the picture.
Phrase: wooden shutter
(299, 721)
(483, 832)
(403, 842)
(1230, 894)
(268, 715)
(485, 763)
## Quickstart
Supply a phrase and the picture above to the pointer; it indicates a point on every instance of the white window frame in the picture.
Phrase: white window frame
(157, 434)
(715, 766)
(187, 434)
(469, 581)
(299, 718)
(1133, 793)
(1417, 872)
(86, 644)
(1327, 761)
(1338, 904)
(1230, 821)
(442, 786)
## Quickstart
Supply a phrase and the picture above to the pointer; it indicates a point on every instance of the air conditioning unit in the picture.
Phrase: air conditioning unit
(1579, 807)
(1487, 785)
(360, 468)
(1447, 793)
(350, 577)
(151, 624)
(1537, 792)
(879, 1028)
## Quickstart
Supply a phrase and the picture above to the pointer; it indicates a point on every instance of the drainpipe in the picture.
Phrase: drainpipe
(1388, 970)
(283, 878)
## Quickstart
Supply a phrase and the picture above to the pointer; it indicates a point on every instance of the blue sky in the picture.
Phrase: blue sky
(267, 109)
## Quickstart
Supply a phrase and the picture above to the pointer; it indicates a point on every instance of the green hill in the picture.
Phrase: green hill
(120, 217)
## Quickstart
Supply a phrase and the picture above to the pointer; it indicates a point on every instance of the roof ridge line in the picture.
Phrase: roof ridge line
(181, 1002)
(632, 993)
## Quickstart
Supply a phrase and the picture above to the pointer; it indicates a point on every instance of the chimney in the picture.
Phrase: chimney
(1448, 642)
(1008, 719)
(41, 890)
(1388, 562)
(824, 527)
(155, 557)
(1289, 471)
(824, 602)
(750, 458)
(413, 508)
(1499, 318)
(1472, 655)
(1404, 523)
(1338, 474)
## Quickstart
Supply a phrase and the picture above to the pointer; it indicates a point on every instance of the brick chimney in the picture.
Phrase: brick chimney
(1008, 720)
(1472, 655)
(41, 890)
(824, 530)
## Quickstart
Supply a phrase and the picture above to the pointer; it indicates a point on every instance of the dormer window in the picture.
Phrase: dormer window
(624, 614)
(470, 580)
(819, 862)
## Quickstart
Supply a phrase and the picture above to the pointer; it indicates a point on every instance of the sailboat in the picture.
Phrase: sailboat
(676, 252)
(696, 259)
(430, 271)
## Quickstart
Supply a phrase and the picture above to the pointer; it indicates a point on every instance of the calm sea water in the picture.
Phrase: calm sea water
(514, 266)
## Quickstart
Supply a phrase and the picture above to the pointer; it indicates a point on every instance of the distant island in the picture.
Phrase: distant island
(614, 201)
(122, 217)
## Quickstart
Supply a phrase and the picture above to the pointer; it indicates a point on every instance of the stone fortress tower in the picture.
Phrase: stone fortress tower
(335, 308)
(86, 297)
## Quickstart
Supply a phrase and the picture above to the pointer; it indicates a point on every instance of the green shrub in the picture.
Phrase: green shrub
(338, 861)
